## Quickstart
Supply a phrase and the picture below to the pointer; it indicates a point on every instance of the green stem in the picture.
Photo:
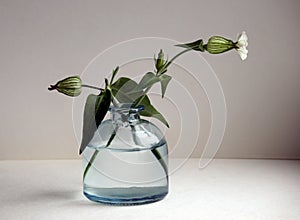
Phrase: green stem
(161, 161)
(92, 87)
(96, 152)
(143, 96)
(175, 57)
(87, 168)
(112, 136)
(155, 152)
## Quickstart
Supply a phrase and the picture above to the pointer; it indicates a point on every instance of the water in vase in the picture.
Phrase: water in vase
(128, 176)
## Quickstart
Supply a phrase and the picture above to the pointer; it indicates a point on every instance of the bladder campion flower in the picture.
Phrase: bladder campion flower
(218, 44)
(70, 86)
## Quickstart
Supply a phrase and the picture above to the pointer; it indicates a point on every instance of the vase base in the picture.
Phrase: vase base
(133, 196)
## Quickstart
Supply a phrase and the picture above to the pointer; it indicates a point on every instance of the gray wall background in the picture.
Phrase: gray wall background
(43, 41)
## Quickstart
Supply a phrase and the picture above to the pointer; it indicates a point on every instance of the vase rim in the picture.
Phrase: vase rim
(124, 107)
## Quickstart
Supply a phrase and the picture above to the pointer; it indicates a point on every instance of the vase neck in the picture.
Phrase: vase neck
(124, 114)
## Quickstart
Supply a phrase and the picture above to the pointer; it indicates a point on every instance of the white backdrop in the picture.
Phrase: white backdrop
(43, 41)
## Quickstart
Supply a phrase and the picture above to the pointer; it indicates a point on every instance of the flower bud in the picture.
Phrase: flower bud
(70, 86)
(218, 44)
(160, 60)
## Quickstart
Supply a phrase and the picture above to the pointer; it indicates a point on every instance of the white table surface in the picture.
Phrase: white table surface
(226, 189)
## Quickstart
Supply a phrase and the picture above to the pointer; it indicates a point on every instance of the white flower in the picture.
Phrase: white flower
(241, 45)
(242, 40)
(242, 52)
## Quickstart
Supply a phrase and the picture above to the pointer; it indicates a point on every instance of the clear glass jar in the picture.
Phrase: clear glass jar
(126, 163)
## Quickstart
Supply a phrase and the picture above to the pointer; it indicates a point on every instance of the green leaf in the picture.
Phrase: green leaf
(149, 110)
(115, 71)
(147, 81)
(124, 89)
(196, 45)
(164, 81)
(95, 109)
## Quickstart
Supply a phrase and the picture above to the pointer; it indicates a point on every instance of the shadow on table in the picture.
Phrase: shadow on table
(58, 198)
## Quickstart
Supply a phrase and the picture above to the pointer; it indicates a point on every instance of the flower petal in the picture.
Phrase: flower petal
(242, 43)
(243, 52)
(243, 36)
(242, 40)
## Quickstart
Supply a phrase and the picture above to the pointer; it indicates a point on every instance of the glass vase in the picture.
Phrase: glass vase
(126, 163)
